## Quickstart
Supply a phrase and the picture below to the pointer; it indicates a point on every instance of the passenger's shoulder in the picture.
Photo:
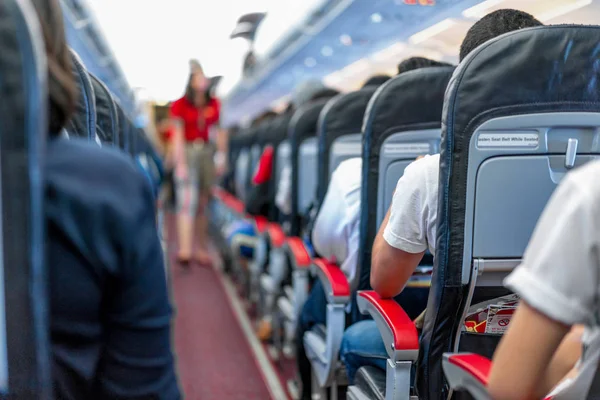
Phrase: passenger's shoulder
(348, 173)
(350, 167)
(93, 166)
(424, 168)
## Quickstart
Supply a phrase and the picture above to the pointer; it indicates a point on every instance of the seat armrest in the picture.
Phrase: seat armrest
(261, 224)
(477, 366)
(298, 253)
(469, 372)
(230, 201)
(334, 281)
(397, 330)
(276, 235)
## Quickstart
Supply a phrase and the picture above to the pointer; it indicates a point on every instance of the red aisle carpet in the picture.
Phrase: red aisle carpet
(215, 361)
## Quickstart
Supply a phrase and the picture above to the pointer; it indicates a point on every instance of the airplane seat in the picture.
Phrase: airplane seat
(148, 160)
(124, 126)
(107, 123)
(303, 148)
(504, 151)
(271, 233)
(403, 121)
(83, 123)
(339, 136)
(25, 369)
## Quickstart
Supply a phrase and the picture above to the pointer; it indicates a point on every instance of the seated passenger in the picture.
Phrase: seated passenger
(558, 283)
(110, 317)
(335, 237)
(409, 228)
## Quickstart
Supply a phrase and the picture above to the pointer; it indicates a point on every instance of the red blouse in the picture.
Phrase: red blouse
(191, 116)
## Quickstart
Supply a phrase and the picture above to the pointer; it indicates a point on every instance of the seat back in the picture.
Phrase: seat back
(276, 136)
(83, 122)
(25, 362)
(107, 119)
(124, 126)
(303, 144)
(339, 134)
(403, 121)
(512, 131)
(241, 166)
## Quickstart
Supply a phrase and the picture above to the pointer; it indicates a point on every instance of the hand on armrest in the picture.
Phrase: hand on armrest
(398, 332)
(299, 255)
(334, 281)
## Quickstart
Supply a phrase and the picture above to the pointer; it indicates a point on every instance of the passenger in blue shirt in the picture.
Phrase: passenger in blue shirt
(109, 309)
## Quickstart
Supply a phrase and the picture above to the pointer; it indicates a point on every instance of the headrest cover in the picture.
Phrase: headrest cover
(411, 98)
(345, 113)
(83, 122)
(304, 120)
(543, 65)
(106, 114)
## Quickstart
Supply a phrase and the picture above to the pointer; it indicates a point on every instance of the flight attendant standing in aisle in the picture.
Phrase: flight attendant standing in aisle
(191, 154)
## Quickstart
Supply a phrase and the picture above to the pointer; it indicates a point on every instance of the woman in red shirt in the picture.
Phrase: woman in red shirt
(192, 156)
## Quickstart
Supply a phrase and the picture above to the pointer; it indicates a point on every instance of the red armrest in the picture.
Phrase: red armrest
(276, 234)
(261, 223)
(230, 201)
(478, 366)
(404, 335)
(333, 279)
(299, 253)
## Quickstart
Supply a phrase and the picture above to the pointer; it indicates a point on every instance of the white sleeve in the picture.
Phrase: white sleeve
(559, 272)
(283, 199)
(327, 233)
(407, 227)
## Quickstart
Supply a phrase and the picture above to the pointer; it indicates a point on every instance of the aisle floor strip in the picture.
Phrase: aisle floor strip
(266, 368)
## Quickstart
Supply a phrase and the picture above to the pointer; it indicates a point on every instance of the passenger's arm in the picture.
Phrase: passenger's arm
(402, 238)
(391, 268)
(557, 281)
(327, 232)
(138, 361)
(533, 340)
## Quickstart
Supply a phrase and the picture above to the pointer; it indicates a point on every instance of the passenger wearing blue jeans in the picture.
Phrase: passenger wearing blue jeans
(409, 228)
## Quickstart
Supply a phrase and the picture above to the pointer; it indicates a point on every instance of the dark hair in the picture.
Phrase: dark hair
(190, 93)
(495, 24)
(62, 87)
(419, 62)
(376, 80)
(325, 93)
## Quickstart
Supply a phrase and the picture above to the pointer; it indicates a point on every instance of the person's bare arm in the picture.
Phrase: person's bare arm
(391, 268)
(532, 357)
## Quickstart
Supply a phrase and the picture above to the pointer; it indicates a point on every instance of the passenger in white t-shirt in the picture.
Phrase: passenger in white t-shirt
(409, 228)
(559, 283)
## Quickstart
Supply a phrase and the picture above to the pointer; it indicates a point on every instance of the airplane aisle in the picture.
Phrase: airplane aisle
(215, 359)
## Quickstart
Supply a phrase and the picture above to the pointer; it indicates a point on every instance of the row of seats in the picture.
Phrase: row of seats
(490, 120)
(25, 367)
(101, 118)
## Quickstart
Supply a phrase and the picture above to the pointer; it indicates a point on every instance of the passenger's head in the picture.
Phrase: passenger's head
(495, 24)
(62, 87)
(197, 88)
(376, 80)
(419, 62)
